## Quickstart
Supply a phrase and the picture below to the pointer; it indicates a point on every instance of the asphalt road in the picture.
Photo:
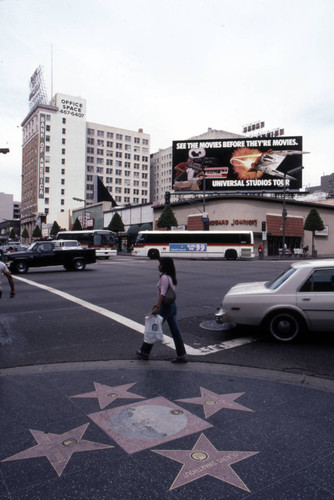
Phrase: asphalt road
(96, 315)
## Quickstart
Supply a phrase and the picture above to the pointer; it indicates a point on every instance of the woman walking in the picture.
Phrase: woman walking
(167, 311)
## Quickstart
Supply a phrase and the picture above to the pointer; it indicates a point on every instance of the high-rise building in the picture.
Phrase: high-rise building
(62, 154)
(121, 158)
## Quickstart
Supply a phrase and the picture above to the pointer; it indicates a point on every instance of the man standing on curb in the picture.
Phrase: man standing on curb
(4, 270)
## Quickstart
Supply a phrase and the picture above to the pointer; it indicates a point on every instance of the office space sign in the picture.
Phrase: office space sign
(237, 164)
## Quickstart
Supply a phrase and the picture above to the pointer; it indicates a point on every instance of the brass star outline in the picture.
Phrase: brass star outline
(58, 448)
(106, 394)
(213, 402)
(205, 460)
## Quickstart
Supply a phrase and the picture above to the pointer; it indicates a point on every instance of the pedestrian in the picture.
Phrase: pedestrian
(167, 311)
(4, 270)
(260, 250)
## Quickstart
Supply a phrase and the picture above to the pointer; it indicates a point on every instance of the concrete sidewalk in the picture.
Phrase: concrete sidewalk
(149, 429)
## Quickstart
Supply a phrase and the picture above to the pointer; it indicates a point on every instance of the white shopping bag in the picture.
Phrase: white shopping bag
(153, 328)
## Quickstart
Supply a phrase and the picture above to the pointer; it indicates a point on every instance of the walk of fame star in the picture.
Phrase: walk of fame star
(106, 394)
(58, 448)
(213, 402)
(205, 460)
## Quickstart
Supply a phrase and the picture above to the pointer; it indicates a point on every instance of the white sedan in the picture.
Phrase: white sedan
(299, 299)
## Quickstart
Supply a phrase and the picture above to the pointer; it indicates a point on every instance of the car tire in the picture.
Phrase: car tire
(285, 326)
(231, 254)
(153, 254)
(20, 267)
(79, 265)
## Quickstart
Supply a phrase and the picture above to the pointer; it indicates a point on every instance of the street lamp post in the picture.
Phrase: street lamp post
(284, 211)
(84, 212)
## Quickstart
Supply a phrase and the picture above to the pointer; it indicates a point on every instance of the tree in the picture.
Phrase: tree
(167, 218)
(55, 229)
(77, 225)
(116, 223)
(313, 223)
(37, 233)
(12, 234)
(25, 233)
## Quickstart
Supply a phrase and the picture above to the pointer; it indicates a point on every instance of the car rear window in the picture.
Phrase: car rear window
(280, 279)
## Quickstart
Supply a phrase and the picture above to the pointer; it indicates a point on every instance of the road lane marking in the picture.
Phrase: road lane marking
(129, 323)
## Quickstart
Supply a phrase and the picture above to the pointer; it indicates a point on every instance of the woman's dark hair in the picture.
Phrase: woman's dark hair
(167, 267)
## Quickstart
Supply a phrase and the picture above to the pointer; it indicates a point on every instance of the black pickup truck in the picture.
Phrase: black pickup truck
(51, 253)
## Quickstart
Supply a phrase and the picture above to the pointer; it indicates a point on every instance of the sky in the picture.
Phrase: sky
(174, 68)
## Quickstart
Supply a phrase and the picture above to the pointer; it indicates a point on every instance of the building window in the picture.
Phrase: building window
(109, 162)
(63, 131)
(63, 151)
(62, 191)
(90, 131)
(100, 151)
(47, 179)
(63, 141)
(64, 120)
(47, 138)
(99, 161)
(90, 159)
(46, 201)
(145, 141)
(62, 171)
(137, 140)
(127, 156)
(100, 133)
(119, 145)
(48, 128)
(118, 163)
(99, 170)
(100, 142)
(63, 181)
(90, 140)
(63, 161)
(119, 137)
(110, 135)
(128, 138)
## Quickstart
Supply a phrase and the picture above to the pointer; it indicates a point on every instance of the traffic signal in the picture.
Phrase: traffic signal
(4, 150)
(167, 198)
(264, 226)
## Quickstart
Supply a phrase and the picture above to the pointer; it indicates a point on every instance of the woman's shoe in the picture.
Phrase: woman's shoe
(141, 355)
(180, 360)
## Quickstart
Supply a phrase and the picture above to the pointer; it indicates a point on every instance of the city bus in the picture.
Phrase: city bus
(104, 242)
(230, 245)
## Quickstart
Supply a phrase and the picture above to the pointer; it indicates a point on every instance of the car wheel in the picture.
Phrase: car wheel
(231, 254)
(153, 254)
(79, 265)
(21, 267)
(285, 326)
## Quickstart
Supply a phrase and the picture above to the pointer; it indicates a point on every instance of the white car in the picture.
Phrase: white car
(299, 299)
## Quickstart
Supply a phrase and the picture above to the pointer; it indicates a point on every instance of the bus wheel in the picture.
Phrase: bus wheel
(153, 254)
(231, 254)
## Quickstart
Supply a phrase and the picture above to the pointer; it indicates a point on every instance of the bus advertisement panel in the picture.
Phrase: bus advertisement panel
(240, 164)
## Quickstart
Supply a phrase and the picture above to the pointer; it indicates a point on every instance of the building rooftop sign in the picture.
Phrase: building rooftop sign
(37, 90)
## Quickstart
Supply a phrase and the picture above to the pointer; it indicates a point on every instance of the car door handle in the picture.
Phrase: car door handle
(305, 300)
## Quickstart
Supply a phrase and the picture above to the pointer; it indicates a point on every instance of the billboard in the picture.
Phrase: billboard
(240, 164)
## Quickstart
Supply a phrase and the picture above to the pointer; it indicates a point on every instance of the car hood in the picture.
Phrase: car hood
(253, 287)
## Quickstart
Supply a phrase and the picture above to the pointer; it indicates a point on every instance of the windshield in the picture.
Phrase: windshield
(32, 246)
(280, 279)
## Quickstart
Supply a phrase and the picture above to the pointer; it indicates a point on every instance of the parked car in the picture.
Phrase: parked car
(299, 299)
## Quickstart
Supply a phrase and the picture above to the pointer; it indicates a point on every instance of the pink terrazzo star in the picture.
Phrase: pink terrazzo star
(58, 448)
(213, 402)
(106, 394)
(205, 460)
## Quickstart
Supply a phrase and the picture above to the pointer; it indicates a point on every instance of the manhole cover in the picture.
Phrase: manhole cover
(214, 326)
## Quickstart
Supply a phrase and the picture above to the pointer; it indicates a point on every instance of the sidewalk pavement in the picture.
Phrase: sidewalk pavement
(149, 429)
